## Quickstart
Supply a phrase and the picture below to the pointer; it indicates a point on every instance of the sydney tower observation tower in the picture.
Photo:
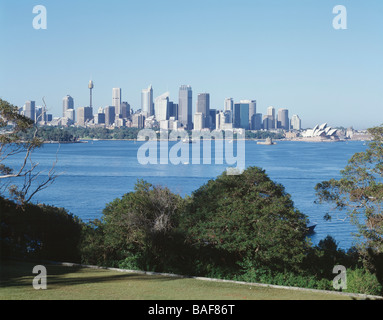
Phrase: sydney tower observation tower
(90, 86)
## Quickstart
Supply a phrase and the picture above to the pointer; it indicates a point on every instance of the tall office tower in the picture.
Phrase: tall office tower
(241, 114)
(283, 119)
(296, 123)
(147, 104)
(161, 107)
(125, 110)
(173, 110)
(213, 117)
(117, 100)
(138, 120)
(71, 115)
(91, 86)
(30, 110)
(110, 115)
(229, 107)
(268, 122)
(203, 106)
(185, 106)
(68, 103)
(84, 115)
(258, 121)
(271, 114)
(99, 118)
(252, 114)
(198, 121)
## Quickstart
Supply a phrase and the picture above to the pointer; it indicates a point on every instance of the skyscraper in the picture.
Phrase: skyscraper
(110, 115)
(125, 110)
(30, 110)
(147, 105)
(68, 103)
(185, 106)
(252, 114)
(162, 107)
(272, 119)
(229, 107)
(117, 100)
(198, 121)
(296, 123)
(84, 115)
(241, 114)
(283, 119)
(203, 106)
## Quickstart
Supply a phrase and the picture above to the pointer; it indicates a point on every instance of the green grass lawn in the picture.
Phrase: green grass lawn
(73, 283)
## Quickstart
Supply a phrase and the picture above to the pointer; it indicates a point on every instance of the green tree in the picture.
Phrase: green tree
(12, 127)
(143, 223)
(359, 194)
(246, 219)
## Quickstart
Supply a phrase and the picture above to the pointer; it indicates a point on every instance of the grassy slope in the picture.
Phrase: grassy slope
(68, 283)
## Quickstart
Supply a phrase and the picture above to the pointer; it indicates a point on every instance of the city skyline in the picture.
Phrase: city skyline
(282, 54)
(166, 114)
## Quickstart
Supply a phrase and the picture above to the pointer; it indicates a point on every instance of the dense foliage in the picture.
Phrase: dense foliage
(38, 232)
(72, 134)
(359, 194)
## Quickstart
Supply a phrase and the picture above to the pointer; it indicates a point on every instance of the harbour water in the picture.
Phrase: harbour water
(95, 173)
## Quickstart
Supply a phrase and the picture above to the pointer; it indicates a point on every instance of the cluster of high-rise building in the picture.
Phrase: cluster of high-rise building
(161, 112)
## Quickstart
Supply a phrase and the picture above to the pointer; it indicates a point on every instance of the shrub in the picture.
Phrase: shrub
(362, 281)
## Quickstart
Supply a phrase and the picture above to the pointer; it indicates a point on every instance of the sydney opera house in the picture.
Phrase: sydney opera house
(323, 132)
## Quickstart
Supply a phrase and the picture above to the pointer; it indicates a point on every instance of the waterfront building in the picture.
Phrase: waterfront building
(116, 97)
(252, 114)
(71, 115)
(99, 118)
(30, 110)
(173, 110)
(147, 103)
(198, 121)
(161, 107)
(68, 103)
(296, 123)
(138, 120)
(283, 119)
(185, 107)
(271, 115)
(241, 114)
(84, 115)
(229, 107)
(110, 115)
(125, 110)
(203, 106)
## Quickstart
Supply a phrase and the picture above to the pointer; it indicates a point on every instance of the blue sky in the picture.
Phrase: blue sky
(281, 53)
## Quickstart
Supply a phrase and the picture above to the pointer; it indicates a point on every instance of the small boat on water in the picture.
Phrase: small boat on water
(311, 228)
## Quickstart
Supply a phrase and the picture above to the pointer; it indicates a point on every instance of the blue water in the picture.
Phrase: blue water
(95, 173)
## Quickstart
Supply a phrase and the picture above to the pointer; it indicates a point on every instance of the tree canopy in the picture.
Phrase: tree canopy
(359, 194)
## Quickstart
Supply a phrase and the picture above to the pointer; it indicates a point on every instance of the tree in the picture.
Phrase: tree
(12, 126)
(246, 219)
(359, 193)
(142, 223)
